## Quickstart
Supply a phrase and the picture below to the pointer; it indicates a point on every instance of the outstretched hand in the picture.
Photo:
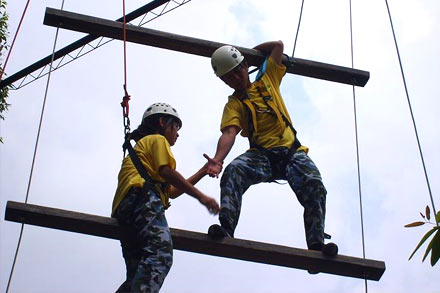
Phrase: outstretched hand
(214, 167)
(211, 204)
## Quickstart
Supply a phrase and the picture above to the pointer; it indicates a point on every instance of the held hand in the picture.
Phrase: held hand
(211, 204)
(214, 167)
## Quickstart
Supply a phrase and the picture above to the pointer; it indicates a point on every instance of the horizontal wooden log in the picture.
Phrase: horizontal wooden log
(150, 37)
(200, 242)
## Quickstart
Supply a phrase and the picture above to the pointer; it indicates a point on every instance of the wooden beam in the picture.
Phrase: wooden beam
(113, 29)
(200, 243)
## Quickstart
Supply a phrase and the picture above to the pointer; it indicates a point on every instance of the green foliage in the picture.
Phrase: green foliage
(434, 244)
(4, 92)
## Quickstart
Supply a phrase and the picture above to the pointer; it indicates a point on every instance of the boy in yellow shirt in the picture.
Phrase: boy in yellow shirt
(257, 110)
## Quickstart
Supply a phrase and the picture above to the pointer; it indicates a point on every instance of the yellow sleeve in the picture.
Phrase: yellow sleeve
(232, 114)
(161, 154)
(275, 71)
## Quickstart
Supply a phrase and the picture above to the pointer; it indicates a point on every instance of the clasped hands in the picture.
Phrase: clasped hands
(213, 166)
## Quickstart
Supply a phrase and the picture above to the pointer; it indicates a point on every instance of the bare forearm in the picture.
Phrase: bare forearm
(175, 179)
(179, 183)
(274, 48)
(224, 146)
(194, 179)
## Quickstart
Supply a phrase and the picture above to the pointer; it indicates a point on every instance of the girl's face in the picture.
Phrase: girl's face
(171, 132)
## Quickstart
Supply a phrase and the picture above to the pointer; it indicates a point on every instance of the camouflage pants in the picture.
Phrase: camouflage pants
(148, 253)
(254, 167)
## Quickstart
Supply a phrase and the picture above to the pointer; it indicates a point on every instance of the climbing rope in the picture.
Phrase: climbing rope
(15, 37)
(296, 38)
(35, 154)
(412, 114)
(297, 30)
(357, 144)
(125, 105)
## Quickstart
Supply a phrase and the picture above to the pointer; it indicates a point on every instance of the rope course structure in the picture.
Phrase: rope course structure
(240, 249)
(108, 31)
(87, 44)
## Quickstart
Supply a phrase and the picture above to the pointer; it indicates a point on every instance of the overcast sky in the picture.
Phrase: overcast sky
(80, 145)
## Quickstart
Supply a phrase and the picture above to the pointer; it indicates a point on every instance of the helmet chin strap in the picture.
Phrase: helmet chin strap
(169, 119)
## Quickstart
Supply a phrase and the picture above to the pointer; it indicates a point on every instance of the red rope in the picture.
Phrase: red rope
(15, 37)
(126, 98)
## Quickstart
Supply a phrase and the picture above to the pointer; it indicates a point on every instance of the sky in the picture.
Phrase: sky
(79, 153)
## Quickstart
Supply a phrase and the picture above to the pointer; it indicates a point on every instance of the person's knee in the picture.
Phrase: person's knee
(315, 187)
(231, 173)
(233, 168)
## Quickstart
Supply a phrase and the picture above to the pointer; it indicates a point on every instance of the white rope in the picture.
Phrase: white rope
(357, 145)
(35, 154)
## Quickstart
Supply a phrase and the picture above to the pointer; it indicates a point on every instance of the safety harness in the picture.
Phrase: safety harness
(277, 162)
(149, 182)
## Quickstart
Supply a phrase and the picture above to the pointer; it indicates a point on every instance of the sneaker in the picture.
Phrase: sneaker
(329, 249)
(217, 232)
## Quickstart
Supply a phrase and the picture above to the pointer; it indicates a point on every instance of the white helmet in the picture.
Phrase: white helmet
(162, 108)
(224, 59)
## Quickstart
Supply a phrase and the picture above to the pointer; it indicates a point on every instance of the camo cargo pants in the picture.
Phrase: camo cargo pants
(148, 253)
(254, 167)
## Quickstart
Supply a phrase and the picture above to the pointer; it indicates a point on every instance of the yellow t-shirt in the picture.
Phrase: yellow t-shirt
(153, 152)
(270, 130)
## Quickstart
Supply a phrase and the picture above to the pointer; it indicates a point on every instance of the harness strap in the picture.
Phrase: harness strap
(136, 161)
(141, 169)
(296, 143)
(262, 69)
(273, 159)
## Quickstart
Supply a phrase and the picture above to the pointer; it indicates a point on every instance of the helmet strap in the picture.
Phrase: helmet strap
(167, 123)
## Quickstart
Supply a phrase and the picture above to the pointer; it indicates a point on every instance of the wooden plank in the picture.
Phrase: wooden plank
(200, 243)
(145, 36)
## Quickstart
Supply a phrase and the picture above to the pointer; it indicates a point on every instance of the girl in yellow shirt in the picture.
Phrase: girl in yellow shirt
(140, 205)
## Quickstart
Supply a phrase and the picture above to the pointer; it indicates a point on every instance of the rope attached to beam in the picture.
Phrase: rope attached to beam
(297, 30)
(125, 105)
(35, 154)
(357, 144)
(15, 37)
(412, 114)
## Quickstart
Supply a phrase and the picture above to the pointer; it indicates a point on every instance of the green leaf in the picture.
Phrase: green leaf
(428, 213)
(435, 244)
(428, 249)
(415, 224)
(426, 236)
(437, 217)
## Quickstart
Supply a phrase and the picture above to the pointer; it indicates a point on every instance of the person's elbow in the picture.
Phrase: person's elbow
(231, 131)
(277, 51)
(165, 172)
(174, 193)
(280, 45)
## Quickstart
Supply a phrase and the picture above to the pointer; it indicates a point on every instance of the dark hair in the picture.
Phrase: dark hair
(149, 125)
